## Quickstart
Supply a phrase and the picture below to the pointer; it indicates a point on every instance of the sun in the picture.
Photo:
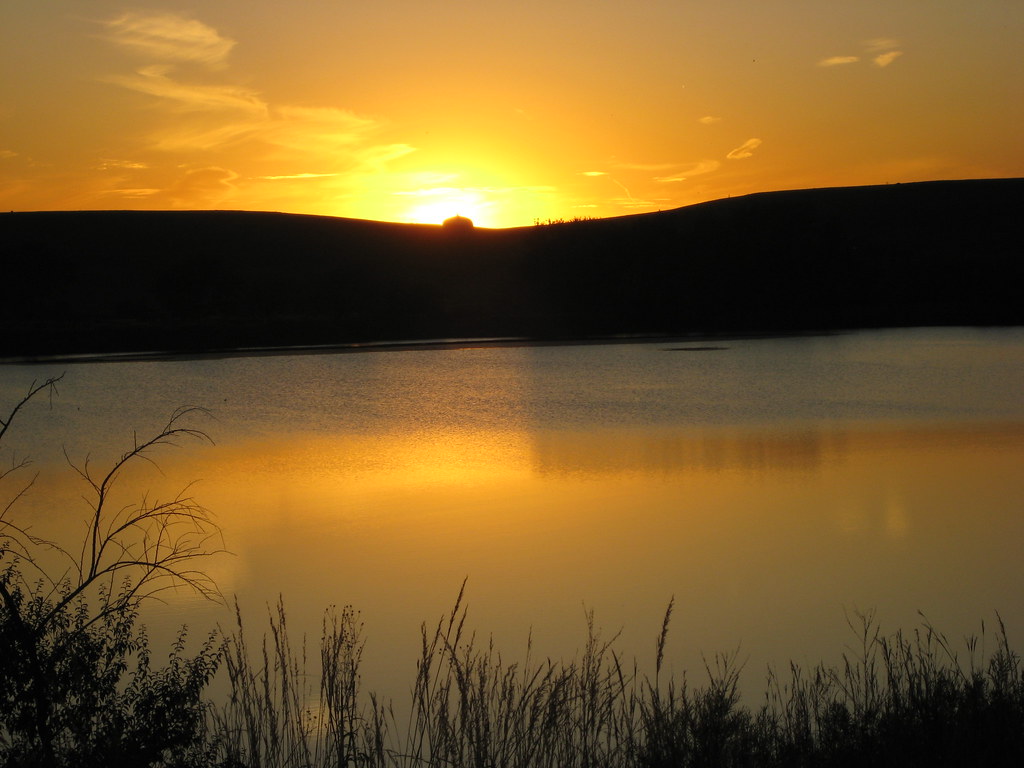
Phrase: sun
(436, 213)
(436, 205)
(493, 194)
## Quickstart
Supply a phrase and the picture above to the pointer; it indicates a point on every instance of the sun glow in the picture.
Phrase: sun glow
(433, 206)
(473, 182)
(486, 206)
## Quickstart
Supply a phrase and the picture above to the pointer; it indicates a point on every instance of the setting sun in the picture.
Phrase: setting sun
(474, 184)
(433, 206)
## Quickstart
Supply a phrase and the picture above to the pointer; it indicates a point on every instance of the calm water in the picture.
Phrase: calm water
(771, 486)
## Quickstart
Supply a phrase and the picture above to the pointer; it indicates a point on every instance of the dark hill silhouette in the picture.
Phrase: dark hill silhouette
(930, 253)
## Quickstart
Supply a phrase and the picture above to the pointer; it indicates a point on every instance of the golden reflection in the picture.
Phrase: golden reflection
(669, 452)
(897, 523)
(752, 531)
(409, 458)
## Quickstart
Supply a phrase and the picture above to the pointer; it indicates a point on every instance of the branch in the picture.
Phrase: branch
(33, 390)
(147, 544)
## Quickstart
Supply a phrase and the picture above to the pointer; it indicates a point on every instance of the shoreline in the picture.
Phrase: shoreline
(707, 341)
(411, 345)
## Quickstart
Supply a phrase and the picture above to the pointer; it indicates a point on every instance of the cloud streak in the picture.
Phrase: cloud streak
(885, 59)
(155, 81)
(447, 191)
(695, 169)
(290, 176)
(882, 51)
(214, 141)
(206, 185)
(169, 37)
(881, 44)
(119, 165)
(315, 129)
(646, 166)
(744, 150)
(216, 117)
(838, 61)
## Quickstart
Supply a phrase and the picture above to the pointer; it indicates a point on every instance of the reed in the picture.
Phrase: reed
(904, 699)
(272, 716)
(901, 699)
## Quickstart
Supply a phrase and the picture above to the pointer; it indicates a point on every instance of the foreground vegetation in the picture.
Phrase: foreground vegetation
(78, 686)
(901, 700)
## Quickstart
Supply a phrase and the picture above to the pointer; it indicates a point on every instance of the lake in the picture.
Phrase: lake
(772, 486)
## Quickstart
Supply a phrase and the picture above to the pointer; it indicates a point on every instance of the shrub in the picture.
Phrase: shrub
(77, 687)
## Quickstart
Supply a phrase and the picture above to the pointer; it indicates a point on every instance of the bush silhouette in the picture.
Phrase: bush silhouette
(77, 686)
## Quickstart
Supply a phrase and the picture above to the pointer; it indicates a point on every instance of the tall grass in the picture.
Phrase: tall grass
(272, 716)
(902, 699)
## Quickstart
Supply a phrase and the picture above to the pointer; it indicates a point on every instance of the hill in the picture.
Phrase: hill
(930, 253)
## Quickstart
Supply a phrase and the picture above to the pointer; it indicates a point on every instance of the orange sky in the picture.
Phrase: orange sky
(414, 110)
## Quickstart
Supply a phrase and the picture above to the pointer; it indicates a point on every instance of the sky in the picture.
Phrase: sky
(506, 112)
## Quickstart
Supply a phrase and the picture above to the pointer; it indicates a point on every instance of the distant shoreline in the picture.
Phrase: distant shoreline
(701, 339)
(698, 342)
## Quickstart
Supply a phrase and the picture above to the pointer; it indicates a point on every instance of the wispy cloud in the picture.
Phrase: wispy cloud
(120, 165)
(169, 37)
(594, 173)
(885, 59)
(694, 169)
(744, 150)
(881, 50)
(634, 203)
(207, 186)
(132, 193)
(290, 176)
(155, 81)
(447, 191)
(215, 116)
(836, 61)
(251, 148)
(629, 195)
(646, 166)
(194, 187)
(376, 156)
(206, 133)
(315, 129)
(709, 120)
(886, 48)
(881, 44)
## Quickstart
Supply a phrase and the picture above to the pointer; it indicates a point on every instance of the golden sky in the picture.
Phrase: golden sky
(507, 112)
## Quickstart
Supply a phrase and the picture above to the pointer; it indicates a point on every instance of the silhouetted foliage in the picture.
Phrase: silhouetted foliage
(898, 701)
(549, 221)
(458, 224)
(77, 687)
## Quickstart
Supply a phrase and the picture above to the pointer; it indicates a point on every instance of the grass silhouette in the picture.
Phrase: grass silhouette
(902, 699)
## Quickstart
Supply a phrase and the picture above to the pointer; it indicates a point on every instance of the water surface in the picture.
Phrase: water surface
(772, 486)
